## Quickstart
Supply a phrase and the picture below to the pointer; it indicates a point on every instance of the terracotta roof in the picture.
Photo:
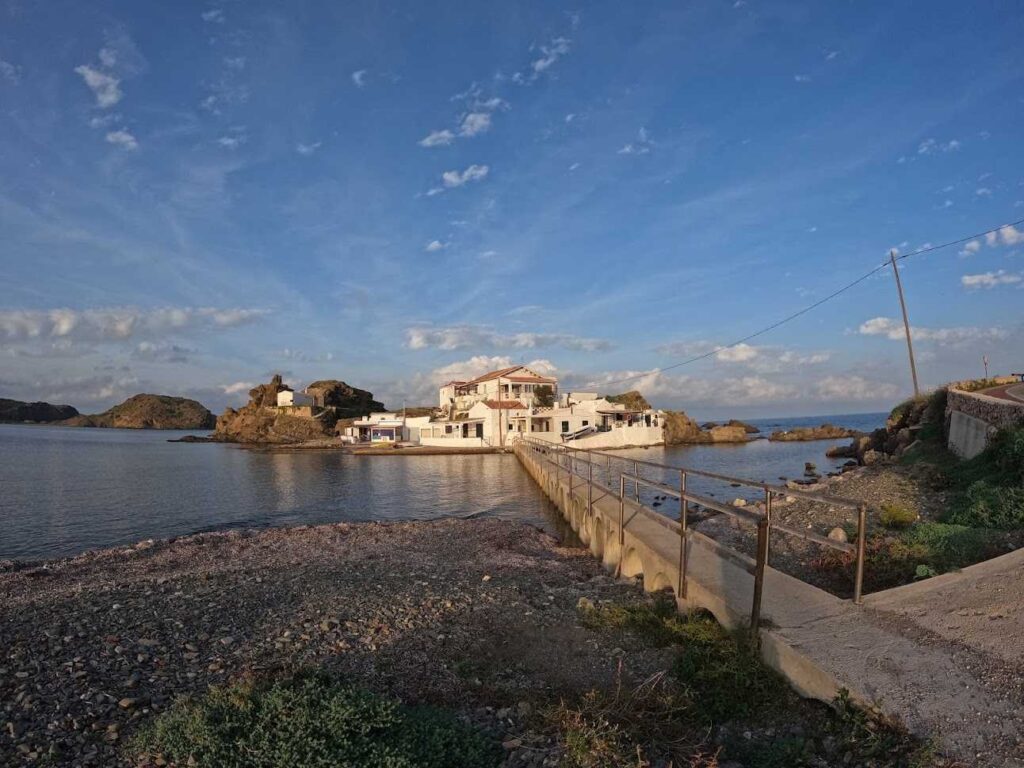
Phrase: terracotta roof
(507, 405)
(453, 383)
(495, 374)
(530, 379)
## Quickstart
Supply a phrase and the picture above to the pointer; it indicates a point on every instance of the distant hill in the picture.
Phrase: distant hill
(17, 412)
(150, 412)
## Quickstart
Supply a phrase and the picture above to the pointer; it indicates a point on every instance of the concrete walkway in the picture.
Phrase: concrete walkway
(955, 688)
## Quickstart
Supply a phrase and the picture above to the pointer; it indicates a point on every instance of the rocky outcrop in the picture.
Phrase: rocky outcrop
(261, 421)
(149, 412)
(750, 429)
(346, 401)
(824, 432)
(17, 412)
(632, 400)
(680, 429)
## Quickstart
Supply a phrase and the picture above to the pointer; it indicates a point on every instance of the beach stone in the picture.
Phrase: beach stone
(838, 534)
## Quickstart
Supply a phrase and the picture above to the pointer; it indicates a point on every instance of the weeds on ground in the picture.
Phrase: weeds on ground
(897, 516)
(309, 720)
(922, 550)
(718, 703)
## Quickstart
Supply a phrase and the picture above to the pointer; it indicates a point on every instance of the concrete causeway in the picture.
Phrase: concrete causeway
(941, 687)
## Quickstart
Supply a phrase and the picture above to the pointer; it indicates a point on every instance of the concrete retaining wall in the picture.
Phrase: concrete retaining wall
(973, 418)
(453, 442)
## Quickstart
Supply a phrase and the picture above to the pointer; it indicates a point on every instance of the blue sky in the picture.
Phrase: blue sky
(195, 195)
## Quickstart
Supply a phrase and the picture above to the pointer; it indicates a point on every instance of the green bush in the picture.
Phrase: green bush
(897, 516)
(310, 721)
(989, 505)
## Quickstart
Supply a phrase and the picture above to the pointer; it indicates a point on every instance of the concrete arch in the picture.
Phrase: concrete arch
(657, 582)
(597, 535)
(632, 563)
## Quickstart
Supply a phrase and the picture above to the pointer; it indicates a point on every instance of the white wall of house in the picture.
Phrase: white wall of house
(287, 398)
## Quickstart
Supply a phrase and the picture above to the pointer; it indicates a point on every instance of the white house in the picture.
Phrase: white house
(288, 399)
(495, 408)
(384, 428)
(515, 383)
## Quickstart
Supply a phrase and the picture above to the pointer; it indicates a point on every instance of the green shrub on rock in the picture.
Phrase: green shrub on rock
(314, 722)
(897, 516)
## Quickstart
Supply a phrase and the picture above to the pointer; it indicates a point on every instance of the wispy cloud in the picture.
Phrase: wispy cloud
(122, 138)
(475, 123)
(118, 323)
(104, 86)
(307, 149)
(213, 16)
(463, 336)
(453, 179)
(434, 246)
(550, 54)
(801, 78)
(990, 280)
(641, 146)
(10, 72)
(931, 146)
(437, 139)
(892, 329)
(359, 78)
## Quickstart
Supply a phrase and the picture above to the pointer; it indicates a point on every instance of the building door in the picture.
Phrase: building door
(480, 430)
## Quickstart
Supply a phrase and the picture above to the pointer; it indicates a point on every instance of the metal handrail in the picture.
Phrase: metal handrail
(836, 500)
(762, 519)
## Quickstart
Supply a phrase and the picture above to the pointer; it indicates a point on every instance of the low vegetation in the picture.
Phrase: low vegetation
(717, 703)
(897, 516)
(309, 720)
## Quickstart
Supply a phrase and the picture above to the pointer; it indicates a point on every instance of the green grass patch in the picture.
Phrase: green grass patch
(312, 721)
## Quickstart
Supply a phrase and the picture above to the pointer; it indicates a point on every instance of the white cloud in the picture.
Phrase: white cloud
(989, 279)
(434, 246)
(741, 353)
(122, 138)
(9, 72)
(106, 88)
(1011, 235)
(475, 123)
(641, 146)
(437, 139)
(463, 336)
(162, 352)
(847, 388)
(213, 16)
(983, 192)
(307, 149)
(237, 387)
(802, 78)
(118, 323)
(359, 78)
(831, 55)
(232, 142)
(551, 53)
(474, 172)
(930, 146)
(893, 330)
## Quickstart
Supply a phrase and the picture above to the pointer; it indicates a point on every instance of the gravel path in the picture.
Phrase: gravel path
(480, 616)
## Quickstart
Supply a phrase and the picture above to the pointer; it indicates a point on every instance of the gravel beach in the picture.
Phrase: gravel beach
(475, 615)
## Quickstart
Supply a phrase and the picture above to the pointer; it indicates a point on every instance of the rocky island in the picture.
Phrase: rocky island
(149, 412)
(261, 421)
(18, 412)
(824, 432)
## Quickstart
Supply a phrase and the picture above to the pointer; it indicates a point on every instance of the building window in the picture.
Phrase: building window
(448, 429)
(565, 426)
(586, 423)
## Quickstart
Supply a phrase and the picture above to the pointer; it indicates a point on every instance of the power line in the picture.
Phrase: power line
(815, 305)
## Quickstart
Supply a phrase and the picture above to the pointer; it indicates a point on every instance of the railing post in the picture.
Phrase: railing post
(862, 534)
(683, 555)
(768, 524)
(636, 481)
(622, 519)
(762, 555)
(590, 490)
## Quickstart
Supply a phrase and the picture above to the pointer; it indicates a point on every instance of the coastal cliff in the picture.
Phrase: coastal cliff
(680, 429)
(149, 412)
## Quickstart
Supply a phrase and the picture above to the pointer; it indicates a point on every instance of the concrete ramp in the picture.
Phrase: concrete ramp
(820, 643)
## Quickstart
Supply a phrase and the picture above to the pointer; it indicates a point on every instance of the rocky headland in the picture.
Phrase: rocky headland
(260, 421)
(680, 429)
(149, 412)
(18, 412)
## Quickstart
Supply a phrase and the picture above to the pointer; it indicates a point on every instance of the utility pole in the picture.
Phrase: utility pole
(984, 359)
(906, 322)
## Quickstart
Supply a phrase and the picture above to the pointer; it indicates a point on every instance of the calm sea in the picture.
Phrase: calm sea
(64, 491)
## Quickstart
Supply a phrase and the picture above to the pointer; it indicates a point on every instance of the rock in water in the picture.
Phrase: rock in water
(824, 432)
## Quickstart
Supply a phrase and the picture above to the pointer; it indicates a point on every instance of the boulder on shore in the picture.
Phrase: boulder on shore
(17, 412)
(680, 429)
(824, 432)
(149, 412)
